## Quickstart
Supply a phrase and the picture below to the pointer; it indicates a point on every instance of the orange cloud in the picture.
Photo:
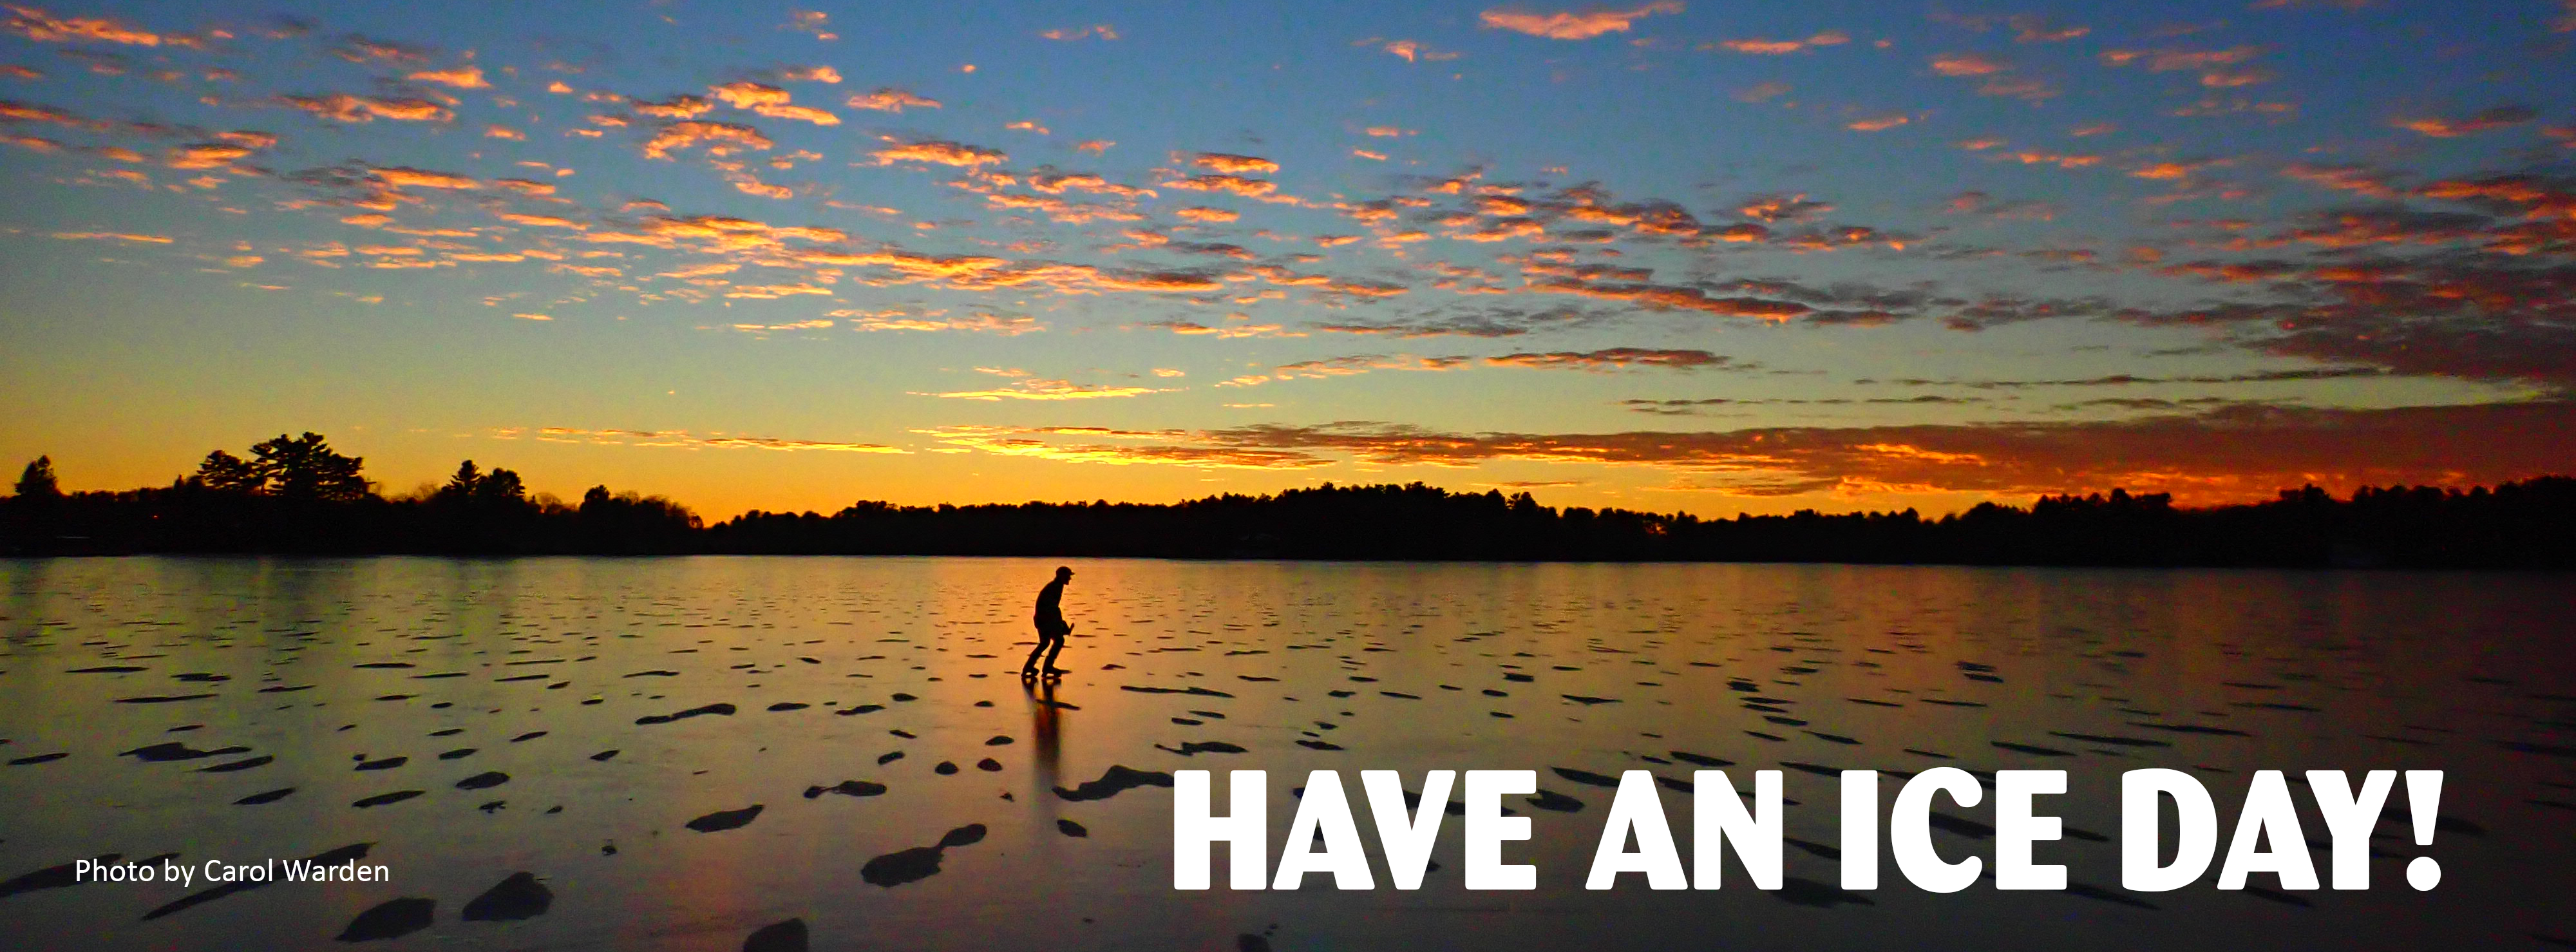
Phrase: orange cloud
(815, 22)
(682, 106)
(2170, 60)
(400, 177)
(719, 138)
(902, 320)
(890, 99)
(541, 221)
(1762, 47)
(2233, 454)
(26, 112)
(1613, 358)
(1212, 215)
(2033, 29)
(1780, 47)
(937, 151)
(748, 95)
(1029, 441)
(1029, 389)
(2500, 117)
(1219, 332)
(1101, 30)
(342, 107)
(1573, 25)
(1967, 64)
(811, 74)
(683, 439)
(462, 77)
(1676, 297)
(1879, 122)
(206, 155)
(112, 236)
(44, 27)
(1248, 188)
(1234, 164)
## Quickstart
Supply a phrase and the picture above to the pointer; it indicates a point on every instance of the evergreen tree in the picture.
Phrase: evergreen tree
(225, 472)
(305, 468)
(37, 482)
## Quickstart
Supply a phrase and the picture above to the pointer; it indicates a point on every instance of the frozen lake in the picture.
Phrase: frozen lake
(607, 725)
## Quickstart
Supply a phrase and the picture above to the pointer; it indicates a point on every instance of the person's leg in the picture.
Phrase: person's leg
(1031, 666)
(1058, 648)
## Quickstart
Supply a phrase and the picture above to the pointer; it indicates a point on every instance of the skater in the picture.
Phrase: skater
(1051, 626)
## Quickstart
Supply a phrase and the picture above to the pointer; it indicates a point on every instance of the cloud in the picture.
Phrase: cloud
(401, 177)
(2171, 60)
(2128, 380)
(1781, 209)
(1878, 123)
(1218, 332)
(2036, 29)
(937, 151)
(342, 107)
(746, 94)
(1672, 297)
(1616, 358)
(1237, 185)
(1234, 164)
(1489, 321)
(683, 106)
(2233, 453)
(810, 74)
(112, 236)
(43, 27)
(28, 112)
(683, 439)
(207, 155)
(1573, 25)
(1034, 389)
(1756, 47)
(718, 138)
(770, 101)
(890, 99)
(462, 77)
(359, 49)
(1031, 442)
(906, 320)
(2484, 120)
(1070, 34)
(815, 22)
(1967, 64)
(1411, 51)
(1208, 215)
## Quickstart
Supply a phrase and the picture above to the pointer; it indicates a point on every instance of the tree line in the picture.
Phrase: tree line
(295, 495)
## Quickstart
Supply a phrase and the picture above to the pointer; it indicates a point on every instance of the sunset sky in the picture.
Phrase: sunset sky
(1712, 257)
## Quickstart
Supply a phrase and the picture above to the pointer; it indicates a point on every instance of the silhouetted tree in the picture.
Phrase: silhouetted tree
(37, 481)
(297, 495)
(501, 488)
(224, 472)
(305, 468)
(461, 485)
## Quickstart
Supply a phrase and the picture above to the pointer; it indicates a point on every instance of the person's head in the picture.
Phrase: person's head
(1063, 573)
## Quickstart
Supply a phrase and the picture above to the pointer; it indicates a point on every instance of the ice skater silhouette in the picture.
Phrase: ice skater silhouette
(1051, 625)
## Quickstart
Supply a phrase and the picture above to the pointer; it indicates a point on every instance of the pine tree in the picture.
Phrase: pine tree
(37, 482)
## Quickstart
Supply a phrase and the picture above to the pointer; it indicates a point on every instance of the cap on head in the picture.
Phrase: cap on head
(1063, 571)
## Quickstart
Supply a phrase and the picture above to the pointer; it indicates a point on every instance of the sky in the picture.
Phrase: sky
(1675, 255)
